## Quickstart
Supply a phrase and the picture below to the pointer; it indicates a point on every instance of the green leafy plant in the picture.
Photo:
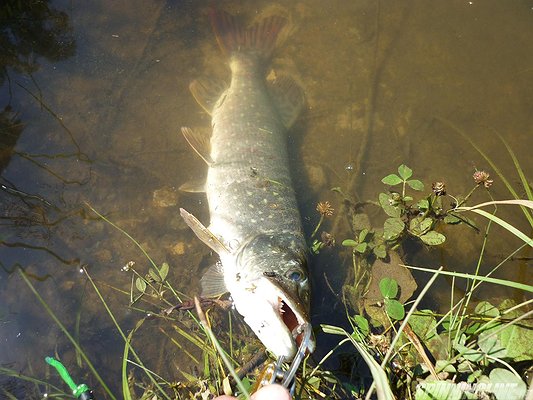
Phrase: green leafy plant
(389, 289)
(474, 349)
(406, 217)
(404, 174)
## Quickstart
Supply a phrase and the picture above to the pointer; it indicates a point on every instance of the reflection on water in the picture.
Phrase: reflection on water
(92, 97)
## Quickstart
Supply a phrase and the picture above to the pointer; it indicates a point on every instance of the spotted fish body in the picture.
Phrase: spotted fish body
(254, 220)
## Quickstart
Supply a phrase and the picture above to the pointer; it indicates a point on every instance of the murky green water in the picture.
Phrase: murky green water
(93, 95)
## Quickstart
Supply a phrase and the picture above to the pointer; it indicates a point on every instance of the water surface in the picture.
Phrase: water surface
(93, 95)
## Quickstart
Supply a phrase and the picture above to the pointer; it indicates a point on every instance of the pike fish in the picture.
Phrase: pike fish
(254, 223)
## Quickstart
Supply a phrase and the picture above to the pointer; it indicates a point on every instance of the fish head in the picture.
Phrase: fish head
(270, 289)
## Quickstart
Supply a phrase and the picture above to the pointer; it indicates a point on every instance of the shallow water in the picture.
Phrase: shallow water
(92, 114)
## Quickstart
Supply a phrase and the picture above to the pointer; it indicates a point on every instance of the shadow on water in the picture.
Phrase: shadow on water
(31, 33)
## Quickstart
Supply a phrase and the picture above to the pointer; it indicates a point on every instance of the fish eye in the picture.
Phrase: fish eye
(295, 275)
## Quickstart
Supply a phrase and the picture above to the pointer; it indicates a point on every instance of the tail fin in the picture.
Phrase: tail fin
(232, 36)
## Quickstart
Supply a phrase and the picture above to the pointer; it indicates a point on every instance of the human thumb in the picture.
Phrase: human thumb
(272, 392)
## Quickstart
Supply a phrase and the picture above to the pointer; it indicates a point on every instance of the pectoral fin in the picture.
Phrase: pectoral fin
(200, 141)
(213, 281)
(204, 234)
(197, 186)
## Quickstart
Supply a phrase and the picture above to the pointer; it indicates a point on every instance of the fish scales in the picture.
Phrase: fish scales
(255, 224)
(249, 186)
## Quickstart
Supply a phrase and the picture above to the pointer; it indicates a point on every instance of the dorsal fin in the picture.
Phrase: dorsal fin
(207, 92)
(200, 141)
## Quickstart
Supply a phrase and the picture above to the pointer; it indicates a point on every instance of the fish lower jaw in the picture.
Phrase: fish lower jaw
(276, 319)
(295, 324)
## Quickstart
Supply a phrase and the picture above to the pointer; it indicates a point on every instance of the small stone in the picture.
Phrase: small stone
(103, 256)
(67, 285)
(179, 249)
(165, 197)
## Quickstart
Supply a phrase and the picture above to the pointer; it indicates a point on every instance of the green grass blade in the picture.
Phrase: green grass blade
(485, 156)
(491, 163)
(381, 382)
(503, 282)
(221, 352)
(121, 332)
(419, 298)
(126, 234)
(526, 239)
(179, 346)
(16, 374)
(519, 202)
(67, 334)
(8, 395)
(125, 387)
(519, 170)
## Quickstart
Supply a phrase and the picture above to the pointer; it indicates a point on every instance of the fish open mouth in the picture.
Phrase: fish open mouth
(291, 321)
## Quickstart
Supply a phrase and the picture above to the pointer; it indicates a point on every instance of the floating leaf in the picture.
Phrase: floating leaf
(387, 204)
(433, 238)
(349, 243)
(392, 228)
(163, 271)
(407, 198)
(505, 385)
(516, 339)
(362, 235)
(424, 324)
(491, 345)
(486, 309)
(154, 275)
(394, 309)
(420, 225)
(467, 221)
(392, 180)
(380, 251)
(380, 270)
(405, 172)
(477, 375)
(361, 247)
(415, 184)
(388, 288)
(140, 284)
(465, 367)
(423, 204)
(362, 324)
(467, 353)
(444, 365)
(452, 219)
